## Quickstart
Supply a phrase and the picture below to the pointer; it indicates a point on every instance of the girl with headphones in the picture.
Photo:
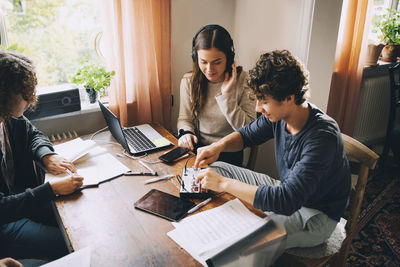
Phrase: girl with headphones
(214, 97)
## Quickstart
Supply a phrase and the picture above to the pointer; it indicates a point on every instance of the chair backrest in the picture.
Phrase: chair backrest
(368, 160)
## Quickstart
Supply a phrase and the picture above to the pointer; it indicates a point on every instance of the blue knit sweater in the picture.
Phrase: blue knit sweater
(312, 166)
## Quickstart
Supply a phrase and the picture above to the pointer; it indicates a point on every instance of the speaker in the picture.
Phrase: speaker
(55, 100)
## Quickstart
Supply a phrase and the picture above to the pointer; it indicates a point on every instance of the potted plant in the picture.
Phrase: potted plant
(388, 28)
(95, 79)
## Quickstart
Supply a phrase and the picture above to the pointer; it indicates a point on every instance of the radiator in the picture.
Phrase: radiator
(56, 138)
(373, 110)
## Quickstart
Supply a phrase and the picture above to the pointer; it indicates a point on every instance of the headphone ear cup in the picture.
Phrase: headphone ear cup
(193, 55)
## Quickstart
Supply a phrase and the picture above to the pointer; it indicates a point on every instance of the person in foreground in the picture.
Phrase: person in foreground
(214, 97)
(313, 191)
(28, 228)
(9, 262)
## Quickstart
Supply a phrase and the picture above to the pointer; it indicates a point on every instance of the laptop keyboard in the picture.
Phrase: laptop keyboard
(138, 140)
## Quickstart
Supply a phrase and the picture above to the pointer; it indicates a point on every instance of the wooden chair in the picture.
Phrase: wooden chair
(367, 159)
(394, 75)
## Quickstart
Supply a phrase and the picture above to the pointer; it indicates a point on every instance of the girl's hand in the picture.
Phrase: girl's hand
(229, 82)
(56, 164)
(187, 141)
(66, 185)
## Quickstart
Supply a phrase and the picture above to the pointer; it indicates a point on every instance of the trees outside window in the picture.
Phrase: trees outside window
(57, 34)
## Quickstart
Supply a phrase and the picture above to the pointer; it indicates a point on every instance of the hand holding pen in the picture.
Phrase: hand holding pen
(67, 185)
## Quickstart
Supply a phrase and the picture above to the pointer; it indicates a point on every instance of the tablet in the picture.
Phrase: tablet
(164, 205)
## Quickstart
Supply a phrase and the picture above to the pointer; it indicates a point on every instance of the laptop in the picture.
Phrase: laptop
(135, 140)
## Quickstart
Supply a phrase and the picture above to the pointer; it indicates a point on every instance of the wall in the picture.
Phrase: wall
(259, 26)
(322, 49)
(188, 16)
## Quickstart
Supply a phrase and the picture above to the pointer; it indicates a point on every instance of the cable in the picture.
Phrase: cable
(187, 162)
(107, 142)
(91, 138)
(152, 162)
(126, 154)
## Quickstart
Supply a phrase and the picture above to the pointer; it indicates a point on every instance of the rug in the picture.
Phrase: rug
(378, 240)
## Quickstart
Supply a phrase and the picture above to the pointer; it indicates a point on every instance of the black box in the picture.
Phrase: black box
(55, 100)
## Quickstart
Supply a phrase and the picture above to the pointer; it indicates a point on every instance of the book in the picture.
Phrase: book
(74, 149)
(96, 167)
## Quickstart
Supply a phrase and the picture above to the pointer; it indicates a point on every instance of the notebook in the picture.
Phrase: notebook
(74, 149)
(136, 140)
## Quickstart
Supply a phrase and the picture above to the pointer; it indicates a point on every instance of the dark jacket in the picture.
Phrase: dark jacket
(29, 146)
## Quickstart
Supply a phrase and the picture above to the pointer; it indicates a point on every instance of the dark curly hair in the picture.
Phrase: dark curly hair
(17, 77)
(278, 74)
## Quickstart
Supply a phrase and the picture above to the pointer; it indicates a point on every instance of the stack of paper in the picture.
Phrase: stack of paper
(205, 234)
(97, 166)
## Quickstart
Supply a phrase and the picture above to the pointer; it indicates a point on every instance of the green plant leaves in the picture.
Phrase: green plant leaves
(388, 27)
(94, 76)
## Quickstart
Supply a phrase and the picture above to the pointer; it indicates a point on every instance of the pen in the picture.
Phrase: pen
(131, 173)
(69, 172)
(152, 180)
(200, 205)
(147, 167)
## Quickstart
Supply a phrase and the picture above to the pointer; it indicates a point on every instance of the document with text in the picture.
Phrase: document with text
(208, 232)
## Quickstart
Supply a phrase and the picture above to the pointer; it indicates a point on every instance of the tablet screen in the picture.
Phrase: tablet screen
(164, 205)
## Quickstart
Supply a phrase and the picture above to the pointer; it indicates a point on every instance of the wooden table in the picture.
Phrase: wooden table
(105, 219)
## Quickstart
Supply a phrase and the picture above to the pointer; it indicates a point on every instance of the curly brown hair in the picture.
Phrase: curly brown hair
(17, 77)
(278, 74)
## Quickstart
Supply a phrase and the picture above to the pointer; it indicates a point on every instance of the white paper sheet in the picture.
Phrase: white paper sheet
(208, 232)
(80, 258)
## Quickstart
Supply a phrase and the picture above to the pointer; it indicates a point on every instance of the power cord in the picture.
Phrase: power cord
(91, 137)
(191, 156)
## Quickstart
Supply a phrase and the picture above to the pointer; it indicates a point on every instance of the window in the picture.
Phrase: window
(379, 7)
(58, 35)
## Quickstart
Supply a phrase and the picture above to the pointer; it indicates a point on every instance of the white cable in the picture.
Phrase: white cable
(91, 138)
(133, 157)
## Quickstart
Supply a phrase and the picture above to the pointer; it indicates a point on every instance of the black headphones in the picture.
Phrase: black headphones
(231, 52)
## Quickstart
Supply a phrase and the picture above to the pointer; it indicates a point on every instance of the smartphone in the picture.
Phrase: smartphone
(172, 155)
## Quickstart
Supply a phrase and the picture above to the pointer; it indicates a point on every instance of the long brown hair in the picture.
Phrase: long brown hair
(211, 36)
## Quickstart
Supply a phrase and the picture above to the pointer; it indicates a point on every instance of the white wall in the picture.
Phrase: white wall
(188, 16)
(259, 26)
(322, 49)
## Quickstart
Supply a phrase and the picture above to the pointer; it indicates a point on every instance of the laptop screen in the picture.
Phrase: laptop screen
(114, 126)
